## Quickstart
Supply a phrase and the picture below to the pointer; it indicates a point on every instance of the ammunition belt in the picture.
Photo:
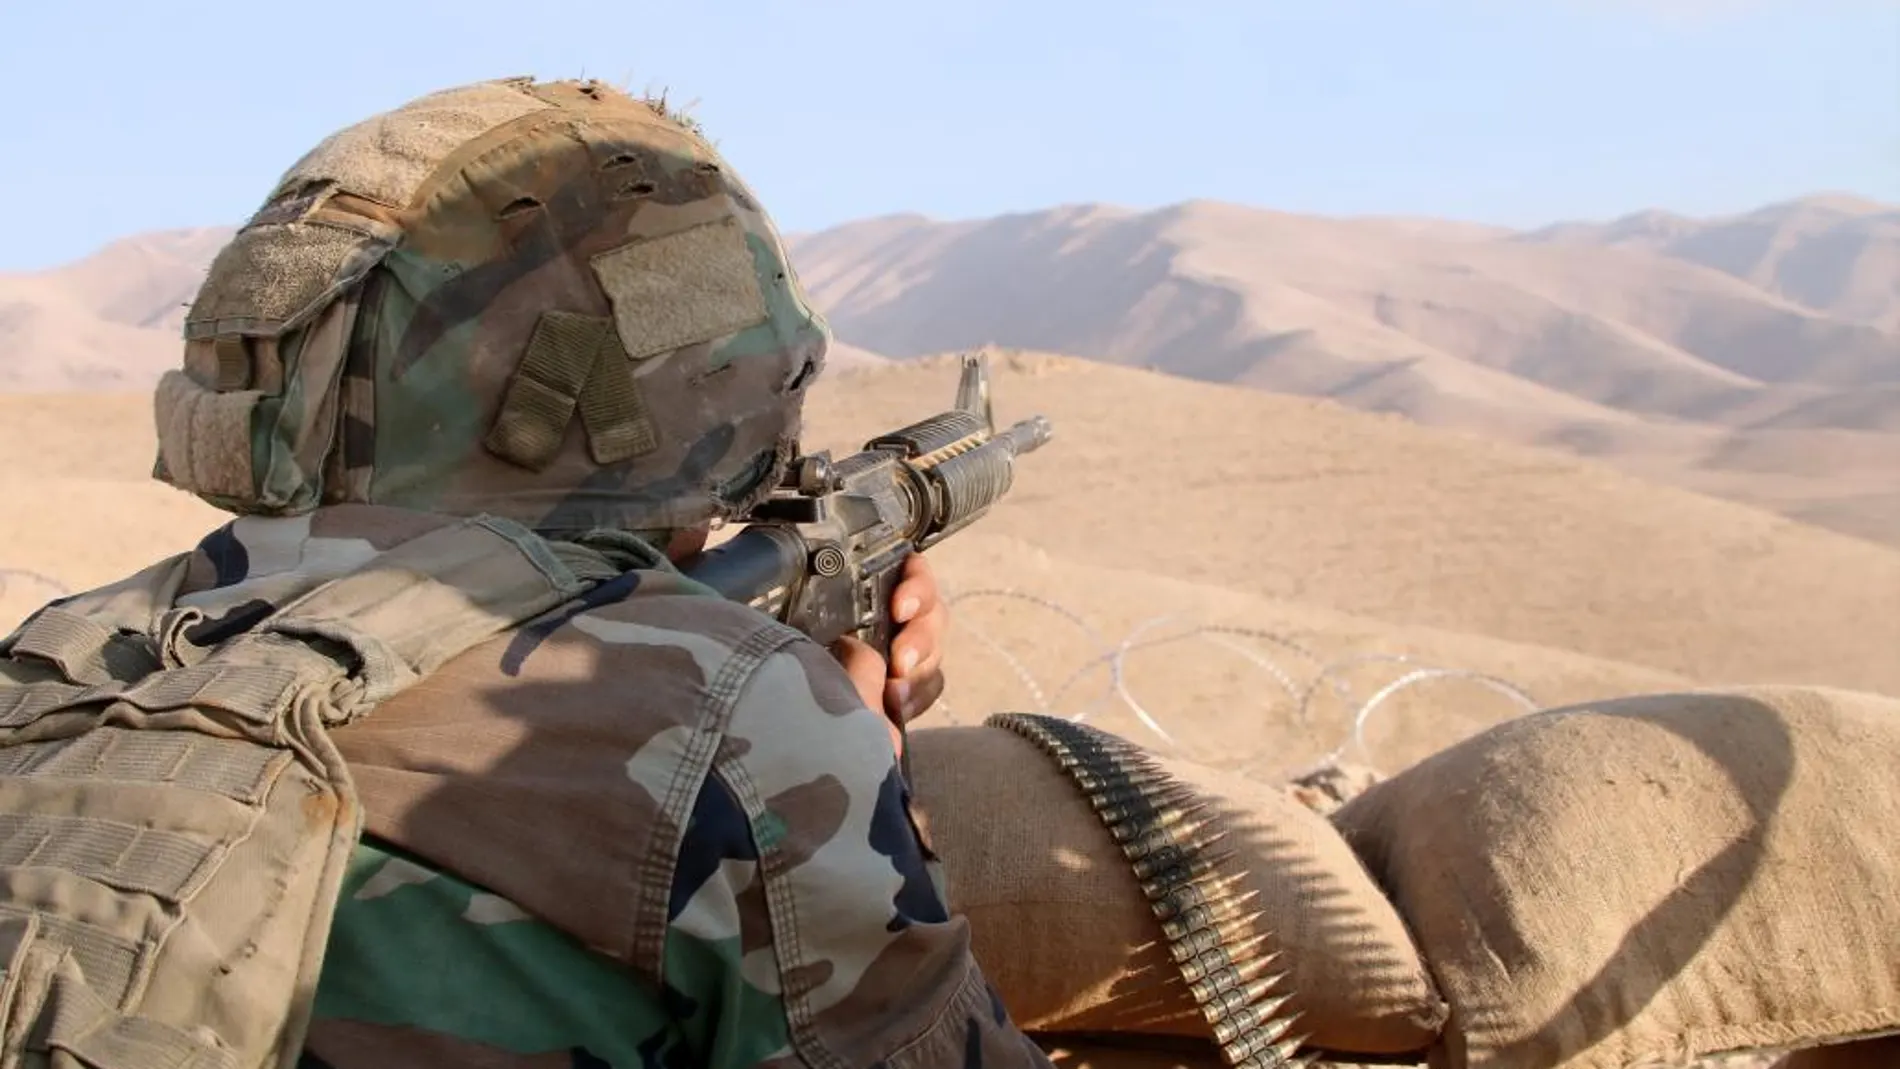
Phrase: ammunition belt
(1170, 840)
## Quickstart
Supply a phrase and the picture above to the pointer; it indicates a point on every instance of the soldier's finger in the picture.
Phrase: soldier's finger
(908, 699)
(918, 645)
(917, 594)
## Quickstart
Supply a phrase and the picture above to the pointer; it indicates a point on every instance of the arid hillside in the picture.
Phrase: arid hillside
(109, 321)
(1751, 357)
(1835, 254)
(1754, 357)
(1248, 548)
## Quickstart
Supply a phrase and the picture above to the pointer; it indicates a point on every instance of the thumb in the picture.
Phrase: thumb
(865, 666)
(866, 669)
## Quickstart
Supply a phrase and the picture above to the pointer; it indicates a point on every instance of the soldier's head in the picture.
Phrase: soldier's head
(550, 302)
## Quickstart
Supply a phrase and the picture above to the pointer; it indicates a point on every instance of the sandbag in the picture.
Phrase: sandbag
(1654, 879)
(1881, 1053)
(1112, 1052)
(1061, 928)
(1152, 1052)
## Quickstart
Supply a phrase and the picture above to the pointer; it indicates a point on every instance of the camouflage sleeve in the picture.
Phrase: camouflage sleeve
(804, 925)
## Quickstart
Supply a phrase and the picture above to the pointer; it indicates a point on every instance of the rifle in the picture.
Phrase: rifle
(824, 552)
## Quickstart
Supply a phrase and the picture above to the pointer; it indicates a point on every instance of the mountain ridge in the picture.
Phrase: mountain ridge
(1663, 343)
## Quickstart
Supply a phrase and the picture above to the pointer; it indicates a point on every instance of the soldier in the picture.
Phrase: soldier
(652, 827)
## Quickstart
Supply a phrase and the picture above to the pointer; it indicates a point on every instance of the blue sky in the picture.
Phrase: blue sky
(128, 116)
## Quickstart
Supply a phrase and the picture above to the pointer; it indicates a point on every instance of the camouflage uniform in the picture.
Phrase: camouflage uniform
(653, 827)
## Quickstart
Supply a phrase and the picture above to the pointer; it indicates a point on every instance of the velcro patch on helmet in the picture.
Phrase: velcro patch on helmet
(204, 437)
(269, 276)
(684, 288)
(574, 362)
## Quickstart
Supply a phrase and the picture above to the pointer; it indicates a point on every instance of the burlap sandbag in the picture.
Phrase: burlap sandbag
(1063, 932)
(1645, 881)
(1882, 1053)
(1111, 1052)
(1160, 1052)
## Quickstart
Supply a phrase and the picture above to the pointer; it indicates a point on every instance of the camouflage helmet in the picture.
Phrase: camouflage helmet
(550, 302)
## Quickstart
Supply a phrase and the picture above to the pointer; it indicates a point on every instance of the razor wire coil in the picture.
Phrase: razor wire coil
(1326, 675)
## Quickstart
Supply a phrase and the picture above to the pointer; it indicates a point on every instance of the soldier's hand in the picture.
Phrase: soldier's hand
(916, 668)
(905, 687)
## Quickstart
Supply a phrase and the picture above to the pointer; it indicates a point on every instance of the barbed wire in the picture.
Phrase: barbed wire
(1327, 676)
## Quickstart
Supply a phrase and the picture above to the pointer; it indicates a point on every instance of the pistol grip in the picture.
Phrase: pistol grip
(881, 629)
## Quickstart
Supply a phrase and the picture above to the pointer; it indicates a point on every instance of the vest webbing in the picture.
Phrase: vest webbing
(175, 821)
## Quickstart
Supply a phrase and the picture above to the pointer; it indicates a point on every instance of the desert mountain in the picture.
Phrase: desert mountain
(1835, 254)
(1369, 312)
(1353, 545)
(1755, 357)
(1771, 377)
(109, 321)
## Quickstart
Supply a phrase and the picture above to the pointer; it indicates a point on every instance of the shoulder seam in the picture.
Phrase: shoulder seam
(805, 1043)
(723, 691)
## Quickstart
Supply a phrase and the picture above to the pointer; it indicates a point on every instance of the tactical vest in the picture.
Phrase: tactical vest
(175, 820)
